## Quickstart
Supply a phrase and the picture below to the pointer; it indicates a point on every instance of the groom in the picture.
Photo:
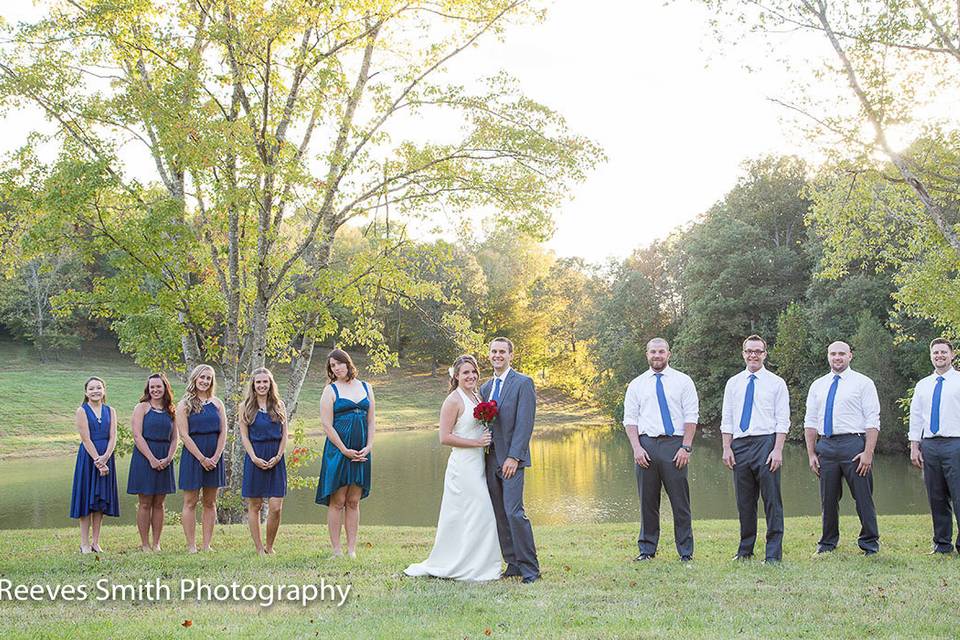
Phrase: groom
(508, 455)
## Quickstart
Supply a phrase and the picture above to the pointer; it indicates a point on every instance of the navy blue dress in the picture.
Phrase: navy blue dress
(265, 435)
(204, 429)
(91, 491)
(350, 423)
(144, 479)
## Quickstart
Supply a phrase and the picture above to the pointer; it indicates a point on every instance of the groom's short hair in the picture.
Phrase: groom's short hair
(506, 340)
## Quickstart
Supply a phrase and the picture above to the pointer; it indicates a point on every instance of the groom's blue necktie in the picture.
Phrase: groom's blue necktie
(935, 409)
(828, 411)
(747, 405)
(496, 391)
(664, 409)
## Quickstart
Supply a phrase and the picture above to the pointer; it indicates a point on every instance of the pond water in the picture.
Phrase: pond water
(578, 476)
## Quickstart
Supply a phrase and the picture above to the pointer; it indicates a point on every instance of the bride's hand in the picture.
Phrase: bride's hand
(485, 439)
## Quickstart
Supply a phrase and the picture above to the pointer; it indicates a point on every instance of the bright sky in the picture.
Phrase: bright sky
(635, 77)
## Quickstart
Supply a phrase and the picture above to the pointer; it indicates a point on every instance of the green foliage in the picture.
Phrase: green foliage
(875, 356)
(798, 361)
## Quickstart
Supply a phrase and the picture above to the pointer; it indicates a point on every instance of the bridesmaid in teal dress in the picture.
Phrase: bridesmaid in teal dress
(95, 473)
(347, 410)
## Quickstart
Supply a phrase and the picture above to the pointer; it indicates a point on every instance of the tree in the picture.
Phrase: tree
(875, 356)
(269, 126)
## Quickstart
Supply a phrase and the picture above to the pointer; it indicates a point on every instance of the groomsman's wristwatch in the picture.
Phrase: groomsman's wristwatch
(687, 448)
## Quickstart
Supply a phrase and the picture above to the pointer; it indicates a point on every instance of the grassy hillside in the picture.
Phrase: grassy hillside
(38, 399)
(590, 587)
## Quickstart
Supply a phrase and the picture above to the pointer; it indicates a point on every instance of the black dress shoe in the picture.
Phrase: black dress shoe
(870, 552)
(510, 573)
(743, 556)
(823, 550)
(940, 552)
(686, 558)
(643, 556)
(530, 579)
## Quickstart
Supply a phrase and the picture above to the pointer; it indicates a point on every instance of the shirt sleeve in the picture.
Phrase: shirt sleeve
(690, 403)
(631, 405)
(871, 406)
(915, 433)
(811, 420)
(726, 419)
(782, 408)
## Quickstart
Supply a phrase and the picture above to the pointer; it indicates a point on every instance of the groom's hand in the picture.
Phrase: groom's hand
(640, 457)
(509, 468)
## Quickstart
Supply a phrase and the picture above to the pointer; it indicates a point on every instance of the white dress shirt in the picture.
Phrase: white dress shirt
(640, 406)
(503, 380)
(771, 404)
(856, 406)
(922, 405)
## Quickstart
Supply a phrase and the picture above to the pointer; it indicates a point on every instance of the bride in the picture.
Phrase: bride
(466, 546)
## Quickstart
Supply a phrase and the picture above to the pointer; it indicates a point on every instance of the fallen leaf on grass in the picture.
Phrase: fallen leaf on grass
(186, 624)
(488, 631)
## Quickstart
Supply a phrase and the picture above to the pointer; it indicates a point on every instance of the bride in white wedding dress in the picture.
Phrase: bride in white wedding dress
(466, 546)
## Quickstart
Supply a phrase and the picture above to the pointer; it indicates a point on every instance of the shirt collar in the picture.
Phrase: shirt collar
(503, 376)
(843, 376)
(949, 373)
(666, 371)
(747, 373)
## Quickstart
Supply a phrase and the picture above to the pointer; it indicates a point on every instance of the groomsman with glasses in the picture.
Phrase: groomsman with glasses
(754, 426)
(660, 414)
(841, 428)
(935, 442)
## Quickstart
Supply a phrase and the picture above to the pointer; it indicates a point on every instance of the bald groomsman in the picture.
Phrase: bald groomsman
(935, 442)
(754, 426)
(660, 415)
(841, 428)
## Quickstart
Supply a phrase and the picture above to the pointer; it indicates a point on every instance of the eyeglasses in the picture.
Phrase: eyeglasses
(754, 352)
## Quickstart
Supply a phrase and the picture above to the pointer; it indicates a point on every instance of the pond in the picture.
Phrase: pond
(578, 476)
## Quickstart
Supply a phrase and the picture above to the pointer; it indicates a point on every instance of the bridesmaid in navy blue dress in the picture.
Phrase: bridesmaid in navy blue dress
(95, 474)
(151, 465)
(347, 413)
(202, 425)
(263, 429)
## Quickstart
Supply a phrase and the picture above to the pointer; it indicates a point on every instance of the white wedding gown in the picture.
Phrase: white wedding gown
(466, 546)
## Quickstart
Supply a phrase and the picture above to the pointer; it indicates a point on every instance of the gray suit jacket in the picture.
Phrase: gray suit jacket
(514, 424)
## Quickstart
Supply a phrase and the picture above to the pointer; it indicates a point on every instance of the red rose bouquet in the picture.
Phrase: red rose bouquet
(485, 413)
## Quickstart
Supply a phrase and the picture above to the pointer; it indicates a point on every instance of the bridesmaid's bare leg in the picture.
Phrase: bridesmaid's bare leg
(84, 534)
(275, 506)
(144, 518)
(335, 518)
(189, 519)
(352, 518)
(209, 515)
(253, 519)
(96, 519)
(156, 520)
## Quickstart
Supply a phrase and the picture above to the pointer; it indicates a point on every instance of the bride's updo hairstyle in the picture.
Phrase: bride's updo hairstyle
(455, 369)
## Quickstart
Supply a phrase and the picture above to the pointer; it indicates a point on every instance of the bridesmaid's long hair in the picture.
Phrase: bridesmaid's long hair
(455, 369)
(168, 404)
(103, 400)
(193, 402)
(249, 406)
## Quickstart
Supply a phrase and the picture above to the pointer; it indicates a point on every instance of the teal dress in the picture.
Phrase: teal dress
(350, 423)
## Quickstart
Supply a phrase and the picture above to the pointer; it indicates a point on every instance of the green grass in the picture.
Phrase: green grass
(39, 398)
(590, 587)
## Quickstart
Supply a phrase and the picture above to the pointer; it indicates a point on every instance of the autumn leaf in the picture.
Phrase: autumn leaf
(186, 624)
(488, 631)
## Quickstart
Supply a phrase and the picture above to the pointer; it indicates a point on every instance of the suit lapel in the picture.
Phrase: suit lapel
(507, 384)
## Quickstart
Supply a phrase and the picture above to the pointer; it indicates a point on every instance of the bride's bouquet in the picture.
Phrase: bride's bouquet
(485, 413)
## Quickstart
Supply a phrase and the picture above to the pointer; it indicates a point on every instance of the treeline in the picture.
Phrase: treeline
(750, 264)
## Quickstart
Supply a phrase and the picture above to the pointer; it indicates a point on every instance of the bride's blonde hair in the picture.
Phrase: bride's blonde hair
(457, 364)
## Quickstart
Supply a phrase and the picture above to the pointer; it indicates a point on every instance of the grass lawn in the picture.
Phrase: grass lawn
(39, 399)
(590, 587)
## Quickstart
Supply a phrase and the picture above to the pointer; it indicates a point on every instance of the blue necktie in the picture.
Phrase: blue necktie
(935, 410)
(828, 411)
(664, 409)
(496, 391)
(747, 405)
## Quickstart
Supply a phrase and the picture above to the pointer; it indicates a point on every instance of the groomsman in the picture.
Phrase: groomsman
(935, 442)
(843, 410)
(756, 418)
(660, 413)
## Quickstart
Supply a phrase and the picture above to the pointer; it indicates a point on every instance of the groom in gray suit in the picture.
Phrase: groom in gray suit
(508, 456)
